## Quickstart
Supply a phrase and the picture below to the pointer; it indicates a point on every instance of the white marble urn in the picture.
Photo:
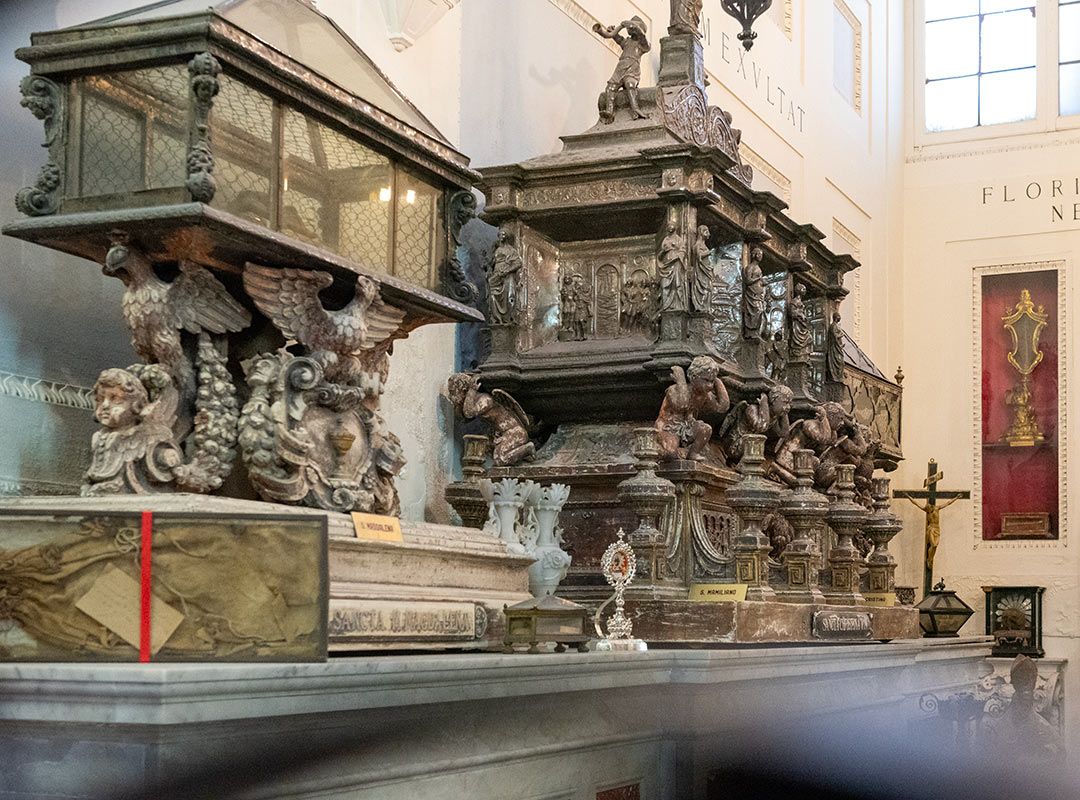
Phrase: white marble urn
(544, 537)
(505, 500)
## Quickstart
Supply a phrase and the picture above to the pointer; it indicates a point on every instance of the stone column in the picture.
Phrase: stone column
(881, 526)
(752, 498)
(805, 509)
(845, 518)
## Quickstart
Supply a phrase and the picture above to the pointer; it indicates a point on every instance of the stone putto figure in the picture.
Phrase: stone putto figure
(685, 17)
(769, 416)
(504, 273)
(701, 291)
(834, 354)
(800, 340)
(672, 268)
(680, 429)
(509, 422)
(627, 74)
(753, 300)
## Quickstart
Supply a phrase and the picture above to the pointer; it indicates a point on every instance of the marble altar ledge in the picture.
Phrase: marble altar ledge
(179, 694)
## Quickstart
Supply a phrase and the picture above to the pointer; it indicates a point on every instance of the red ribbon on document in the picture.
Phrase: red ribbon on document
(144, 597)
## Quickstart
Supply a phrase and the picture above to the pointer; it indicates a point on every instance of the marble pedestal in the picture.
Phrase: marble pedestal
(477, 726)
(442, 587)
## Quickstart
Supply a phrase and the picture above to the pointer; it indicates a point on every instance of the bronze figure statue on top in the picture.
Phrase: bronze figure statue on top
(627, 74)
(680, 431)
(685, 18)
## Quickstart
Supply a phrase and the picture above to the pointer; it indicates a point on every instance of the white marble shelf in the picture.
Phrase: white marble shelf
(172, 694)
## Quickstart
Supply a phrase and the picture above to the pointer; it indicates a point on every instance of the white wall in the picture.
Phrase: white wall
(948, 231)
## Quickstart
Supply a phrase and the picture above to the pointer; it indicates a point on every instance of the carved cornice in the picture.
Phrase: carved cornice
(782, 181)
(15, 487)
(844, 234)
(609, 191)
(42, 391)
(976, 406)
(856, 27)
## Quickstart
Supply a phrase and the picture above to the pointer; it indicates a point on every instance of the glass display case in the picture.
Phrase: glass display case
(253, 128)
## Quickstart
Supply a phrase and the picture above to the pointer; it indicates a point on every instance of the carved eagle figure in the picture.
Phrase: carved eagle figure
(344, 342)
(157, 311)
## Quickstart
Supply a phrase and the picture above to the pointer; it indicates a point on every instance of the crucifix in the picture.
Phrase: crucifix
(931, 494)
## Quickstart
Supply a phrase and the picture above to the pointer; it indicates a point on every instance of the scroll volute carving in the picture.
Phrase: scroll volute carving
(45, 100)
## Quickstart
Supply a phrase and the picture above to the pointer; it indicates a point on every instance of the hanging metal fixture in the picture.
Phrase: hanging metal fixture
(746, 12)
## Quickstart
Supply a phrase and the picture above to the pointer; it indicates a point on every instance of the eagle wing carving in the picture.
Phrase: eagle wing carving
(290, 298)
(199, 302)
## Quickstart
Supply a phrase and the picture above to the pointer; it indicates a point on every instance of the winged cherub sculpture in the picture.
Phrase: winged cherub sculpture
(156, 311)
(509, 422)
(348, 344)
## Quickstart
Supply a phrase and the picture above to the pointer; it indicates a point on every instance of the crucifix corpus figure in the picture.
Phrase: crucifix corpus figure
(931, 494)
(627, 73)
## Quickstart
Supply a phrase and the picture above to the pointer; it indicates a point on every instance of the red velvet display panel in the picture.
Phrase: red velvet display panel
(1018, 479)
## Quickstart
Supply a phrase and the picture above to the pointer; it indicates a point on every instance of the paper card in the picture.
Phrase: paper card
(717, 592)
(374, 527)
(880, 599)
(114, 601)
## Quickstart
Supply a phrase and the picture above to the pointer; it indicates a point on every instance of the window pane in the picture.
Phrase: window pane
(1070, 89)
(336, 192)
(241, 123)
(952, 104)
(990, 6)
(952, 48)
(1007, 97)
(420, 233)
(1008, 41)
(942, 9)
(1069, 25)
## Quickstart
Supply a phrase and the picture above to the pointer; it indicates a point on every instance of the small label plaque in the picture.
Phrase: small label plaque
(374, 527)
(887, 599)
(842, 625)
(391, 620)
(114, 601)
(717, 592)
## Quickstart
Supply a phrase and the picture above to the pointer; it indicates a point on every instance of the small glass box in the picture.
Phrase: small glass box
(546, 619)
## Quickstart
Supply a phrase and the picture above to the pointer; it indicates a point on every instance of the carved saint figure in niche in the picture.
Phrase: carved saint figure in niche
(685, 17)
(504, 273)
(775, 359)
(800, 339)
(583, 298)
(509, 422)
(135, 448)
(703, 271)
(834, 353)
(672, 269)
(627, 74)
(753, 300)
(636, 293)
(567, 304)
(680, 429)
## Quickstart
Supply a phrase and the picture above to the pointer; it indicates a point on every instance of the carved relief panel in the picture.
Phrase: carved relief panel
(606, 290)
(541, 319)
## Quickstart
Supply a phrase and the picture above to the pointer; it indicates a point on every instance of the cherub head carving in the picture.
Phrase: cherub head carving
(120, 398)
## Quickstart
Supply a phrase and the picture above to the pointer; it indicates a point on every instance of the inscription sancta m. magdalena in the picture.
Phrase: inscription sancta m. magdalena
(406, 619)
